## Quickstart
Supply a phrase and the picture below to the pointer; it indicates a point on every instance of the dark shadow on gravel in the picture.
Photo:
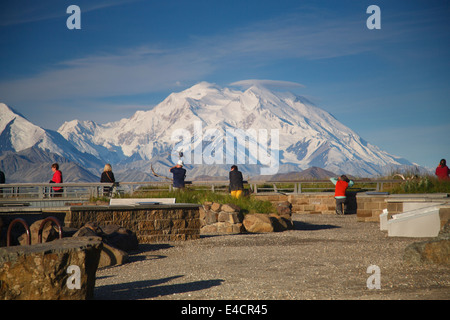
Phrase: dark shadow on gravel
(148, 289)
(299, 225)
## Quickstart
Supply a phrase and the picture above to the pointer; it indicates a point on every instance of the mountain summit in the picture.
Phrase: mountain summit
(297, 135)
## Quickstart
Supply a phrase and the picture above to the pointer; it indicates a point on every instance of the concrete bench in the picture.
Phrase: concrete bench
(140, 201)
(422, 222)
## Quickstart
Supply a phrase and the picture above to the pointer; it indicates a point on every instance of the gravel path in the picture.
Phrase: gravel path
(325, 257)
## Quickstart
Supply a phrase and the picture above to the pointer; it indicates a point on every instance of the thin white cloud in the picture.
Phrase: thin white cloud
(126, 73)
(267, 83)
(146, 68)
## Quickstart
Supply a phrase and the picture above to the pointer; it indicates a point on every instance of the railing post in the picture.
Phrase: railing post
(8, 234)
(56, 221)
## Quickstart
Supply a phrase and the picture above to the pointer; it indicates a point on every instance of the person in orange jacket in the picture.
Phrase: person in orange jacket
(341, 183)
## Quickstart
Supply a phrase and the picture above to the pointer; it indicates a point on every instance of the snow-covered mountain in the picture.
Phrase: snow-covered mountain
(18, 134)
(199, 120)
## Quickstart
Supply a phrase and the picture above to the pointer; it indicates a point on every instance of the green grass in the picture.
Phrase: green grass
(247, 204)
(424, 184)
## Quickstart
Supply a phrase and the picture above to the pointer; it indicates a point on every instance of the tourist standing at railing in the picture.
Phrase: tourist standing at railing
(236, 182)
(341, 183)
(57, 178)
(2, 181)
(442, 171)
(107, 176)
(179, 174)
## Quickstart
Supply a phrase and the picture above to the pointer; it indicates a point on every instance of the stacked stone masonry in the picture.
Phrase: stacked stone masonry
(367, 207)
(216, 218)
(152, 223)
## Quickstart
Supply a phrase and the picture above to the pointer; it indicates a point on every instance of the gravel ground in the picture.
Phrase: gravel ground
(326, 257)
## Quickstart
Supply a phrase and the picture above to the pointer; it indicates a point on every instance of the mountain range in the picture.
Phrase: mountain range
(264, 132)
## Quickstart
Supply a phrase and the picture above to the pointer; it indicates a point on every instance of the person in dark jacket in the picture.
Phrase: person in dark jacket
(108, 177)
(2, 181)
(236, 182)
(179, 174)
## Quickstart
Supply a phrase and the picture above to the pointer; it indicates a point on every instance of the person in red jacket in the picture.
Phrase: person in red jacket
(57, 178)
(341, 183)
(442, 171)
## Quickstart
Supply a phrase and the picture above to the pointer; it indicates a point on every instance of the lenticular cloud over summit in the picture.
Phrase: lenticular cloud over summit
(267, 83)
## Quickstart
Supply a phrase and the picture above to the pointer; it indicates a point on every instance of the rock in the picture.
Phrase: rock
(209, 229)
(211, 217)
(433, 251)
(41, 271)
(258, 222)
(216, 207)
(120, 238)
(230, 208)
(228, 219)
(284, 208)
(436, 250)
(86, 232)
(117, 242)
(49, 233)
(281, 222)
(111, 256)
(218, 218)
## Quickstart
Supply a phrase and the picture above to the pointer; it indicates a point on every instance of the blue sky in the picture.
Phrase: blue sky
(390, 85)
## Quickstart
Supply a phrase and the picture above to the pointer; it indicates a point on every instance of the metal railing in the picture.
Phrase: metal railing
(46, 190)
(43, 191)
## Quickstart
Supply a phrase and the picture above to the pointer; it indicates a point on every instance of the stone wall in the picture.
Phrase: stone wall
(367, 207)
(150, 223)
(216, 218)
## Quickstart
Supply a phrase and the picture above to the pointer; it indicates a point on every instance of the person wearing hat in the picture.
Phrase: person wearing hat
(179, 174)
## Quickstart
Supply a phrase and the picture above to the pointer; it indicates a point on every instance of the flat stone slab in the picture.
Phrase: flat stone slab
(62, 269)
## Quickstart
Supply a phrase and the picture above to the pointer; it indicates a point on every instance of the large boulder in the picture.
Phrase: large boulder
(258, 223)
(436, 250)
(117, 242)
(45, 271)
(120, 238)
